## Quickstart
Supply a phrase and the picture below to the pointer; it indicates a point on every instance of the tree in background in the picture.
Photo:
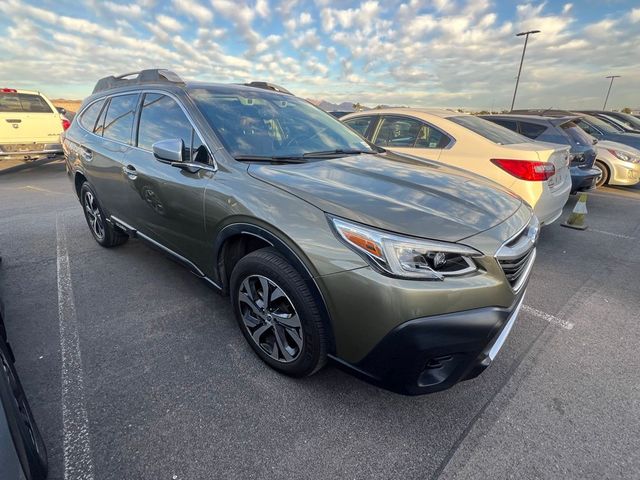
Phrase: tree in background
(357, 107)
(626, 110)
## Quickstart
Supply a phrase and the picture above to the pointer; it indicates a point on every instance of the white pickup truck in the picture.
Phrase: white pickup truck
(30, 126)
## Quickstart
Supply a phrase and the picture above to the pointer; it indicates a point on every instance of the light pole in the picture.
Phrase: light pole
(612, 77)
(524, 49)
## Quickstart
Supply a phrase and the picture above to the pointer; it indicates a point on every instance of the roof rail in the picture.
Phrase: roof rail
(269, 86)
(155, 75)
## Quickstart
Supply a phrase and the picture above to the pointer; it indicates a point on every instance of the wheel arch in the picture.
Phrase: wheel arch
(238, 239)
(78, 179)
(607, 165)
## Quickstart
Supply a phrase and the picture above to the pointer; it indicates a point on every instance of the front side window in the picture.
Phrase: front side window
(89, 117)
(489, 130)
(252, 122)
(531, 130)
(360, 124)
(397, 132)
(161, 118)
(119, 119)
(23, 102)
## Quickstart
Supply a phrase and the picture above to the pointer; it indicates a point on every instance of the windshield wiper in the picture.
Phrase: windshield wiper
(333, 153)
(276, 158)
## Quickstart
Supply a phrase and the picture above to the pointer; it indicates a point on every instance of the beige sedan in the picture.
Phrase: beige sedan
(536, 171)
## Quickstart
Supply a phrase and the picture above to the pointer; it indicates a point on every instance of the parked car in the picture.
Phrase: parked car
(407, 273)
(22, 451)
(30, 126)
(619, 164)
(536, 172)
(591, 124)
(559, 130)
(628, 123)
(338, 114)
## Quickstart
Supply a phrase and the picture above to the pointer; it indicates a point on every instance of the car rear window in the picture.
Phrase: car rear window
(531, 130)
(489, 130)
(23, 102)
(576, 134)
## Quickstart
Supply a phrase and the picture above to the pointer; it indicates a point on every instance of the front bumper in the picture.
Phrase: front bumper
(430, 354)
(29, 149)
(583, 178)
(625, 174)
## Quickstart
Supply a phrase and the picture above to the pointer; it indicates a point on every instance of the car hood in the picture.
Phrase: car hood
(397, 193)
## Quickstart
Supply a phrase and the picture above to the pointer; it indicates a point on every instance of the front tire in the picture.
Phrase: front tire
(603, 179)
(278, 314)
(105, 233)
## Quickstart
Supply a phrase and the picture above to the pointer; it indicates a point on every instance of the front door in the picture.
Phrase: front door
(166, 202)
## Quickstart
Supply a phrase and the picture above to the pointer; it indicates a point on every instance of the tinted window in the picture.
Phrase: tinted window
(430, 137)
(599, 124)
(490, 131)
(628, 120)
(255, 122)
(119, 119)
(531, 130)
(23, 102)
(554, 135)
(90, 115)
(576, 134)
(161, 118)
(360, 124)
(510, 124)
(397, 132)
(100, 123)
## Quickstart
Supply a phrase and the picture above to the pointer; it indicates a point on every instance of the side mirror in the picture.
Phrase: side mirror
(169, 150)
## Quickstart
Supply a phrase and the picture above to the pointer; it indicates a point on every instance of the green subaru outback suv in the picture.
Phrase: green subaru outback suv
(408, 273)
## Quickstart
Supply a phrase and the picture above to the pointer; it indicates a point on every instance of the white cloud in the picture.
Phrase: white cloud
(130, 10)
(193, 9)
(305, 18)
(634, 15)
(262, 8)
(168, 23)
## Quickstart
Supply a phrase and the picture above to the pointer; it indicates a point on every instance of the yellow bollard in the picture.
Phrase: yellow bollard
(576, 219)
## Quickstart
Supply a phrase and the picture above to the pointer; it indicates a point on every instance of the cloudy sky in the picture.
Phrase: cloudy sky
(454, 53)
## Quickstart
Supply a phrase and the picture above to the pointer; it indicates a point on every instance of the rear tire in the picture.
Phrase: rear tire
(105, 233)
(284, 327)
(603, 179)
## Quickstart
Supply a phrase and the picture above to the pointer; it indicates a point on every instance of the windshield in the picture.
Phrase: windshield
(628, 120)
(601, 125)
(259, 123)
(489, 130)
(23, 102)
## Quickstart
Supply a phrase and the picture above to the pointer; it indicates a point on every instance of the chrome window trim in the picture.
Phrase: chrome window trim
(140, 92)
(452, 140)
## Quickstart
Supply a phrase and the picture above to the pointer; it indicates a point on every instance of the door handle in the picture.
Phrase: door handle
(87, 154)
(130, 171)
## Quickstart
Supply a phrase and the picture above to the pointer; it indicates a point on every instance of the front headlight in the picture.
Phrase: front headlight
(624, 156)
(405, 256)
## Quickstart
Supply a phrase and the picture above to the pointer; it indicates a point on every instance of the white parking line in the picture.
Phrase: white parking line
(78, 460)
(547, 317)
(618, 235)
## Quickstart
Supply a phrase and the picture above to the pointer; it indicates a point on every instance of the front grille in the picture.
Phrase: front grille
(515, 267)
(517, 255)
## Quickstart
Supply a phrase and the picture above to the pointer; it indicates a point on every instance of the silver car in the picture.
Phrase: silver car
(619, 164)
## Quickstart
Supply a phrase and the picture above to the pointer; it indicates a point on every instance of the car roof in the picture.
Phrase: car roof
(438, 112)
(556, 120)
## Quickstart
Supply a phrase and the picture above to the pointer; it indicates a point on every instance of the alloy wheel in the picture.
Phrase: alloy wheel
(94, 217)
(270, 318)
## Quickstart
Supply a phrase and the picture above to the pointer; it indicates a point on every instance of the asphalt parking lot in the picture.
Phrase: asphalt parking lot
(136, 369)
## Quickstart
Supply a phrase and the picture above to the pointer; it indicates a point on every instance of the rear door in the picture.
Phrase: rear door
(410, 135)
(28, 118)
(165, 202)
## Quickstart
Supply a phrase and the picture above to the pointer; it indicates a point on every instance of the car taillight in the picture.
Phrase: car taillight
(8, 90)
(65, 123)
(526, 169)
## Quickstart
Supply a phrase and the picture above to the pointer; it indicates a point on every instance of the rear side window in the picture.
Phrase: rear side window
(360, 124)
(161, 118)
(531, 130)
(89, 117)
(119, 119)
(430, 137)
(397, 132)
(490, 131)
(23, 102)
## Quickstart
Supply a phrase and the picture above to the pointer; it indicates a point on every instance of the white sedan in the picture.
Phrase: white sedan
(537, 172)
